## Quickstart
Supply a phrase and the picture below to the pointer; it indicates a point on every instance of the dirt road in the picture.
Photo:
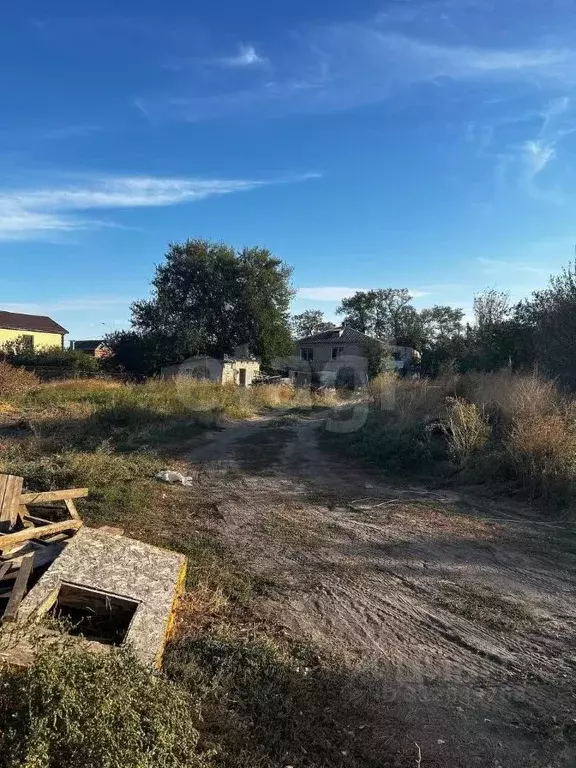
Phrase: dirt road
(454, 614)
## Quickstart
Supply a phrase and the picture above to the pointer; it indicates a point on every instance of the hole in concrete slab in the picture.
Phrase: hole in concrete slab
(95, 615)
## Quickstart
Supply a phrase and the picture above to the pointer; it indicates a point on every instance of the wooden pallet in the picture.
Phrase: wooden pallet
(30, 537)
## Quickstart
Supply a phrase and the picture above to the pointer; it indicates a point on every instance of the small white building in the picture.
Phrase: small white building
(229, 370)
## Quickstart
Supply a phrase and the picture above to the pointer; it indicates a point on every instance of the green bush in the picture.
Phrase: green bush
(18, 353)
(389, 445)
(75, 709)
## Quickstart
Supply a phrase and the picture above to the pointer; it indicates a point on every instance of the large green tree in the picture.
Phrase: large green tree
(385, 313)
(388, 314)
(207, 298)
(309, 322)
(549, 322)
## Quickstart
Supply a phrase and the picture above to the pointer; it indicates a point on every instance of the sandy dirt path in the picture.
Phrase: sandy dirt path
(454, 614)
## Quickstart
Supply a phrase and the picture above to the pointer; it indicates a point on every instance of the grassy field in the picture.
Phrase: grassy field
(237, 690)
(513, 433)
(233, 692)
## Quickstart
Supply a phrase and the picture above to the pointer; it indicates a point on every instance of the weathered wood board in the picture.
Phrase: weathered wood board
(41, 497)
(121, 567)
(10, 540)
(10, 491)
(19, 589)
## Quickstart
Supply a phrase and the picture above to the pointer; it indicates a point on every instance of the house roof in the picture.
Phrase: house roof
(15, 321)
(344, 335)
(88, 345)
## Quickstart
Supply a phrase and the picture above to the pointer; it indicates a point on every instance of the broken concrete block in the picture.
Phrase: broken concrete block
(112, 590)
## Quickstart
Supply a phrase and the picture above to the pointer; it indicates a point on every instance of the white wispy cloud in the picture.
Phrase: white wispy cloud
(537, 154)
(246, 57)
(554, 109)
(76, 304)
(30, 213)
(340, 66)
(495, 266)
(524, 162)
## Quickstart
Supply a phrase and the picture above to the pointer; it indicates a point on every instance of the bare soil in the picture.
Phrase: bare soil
(453, 614)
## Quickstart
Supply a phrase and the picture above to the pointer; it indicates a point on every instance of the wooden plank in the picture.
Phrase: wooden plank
(10, 491)
(10, 539)
(42, 496)
(71, 507)
(23, 514)
(14, 501)
(42, 556)
(3, 488)
(4, 570)
(19, 590)
(37, 520)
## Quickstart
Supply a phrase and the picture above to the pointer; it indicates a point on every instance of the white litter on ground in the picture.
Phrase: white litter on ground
(168, 476)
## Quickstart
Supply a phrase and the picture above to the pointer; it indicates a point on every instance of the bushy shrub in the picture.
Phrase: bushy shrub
(501, 427)
(541, 452)
(75, 709)
(15, 381)
(19, 354)
(466, 431)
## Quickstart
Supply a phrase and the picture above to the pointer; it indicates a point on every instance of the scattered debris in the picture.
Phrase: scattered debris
(107, 589)
(34, 528)
(168, 476)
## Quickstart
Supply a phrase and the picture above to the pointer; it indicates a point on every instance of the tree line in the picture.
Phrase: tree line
(537, 332)
(207, 298)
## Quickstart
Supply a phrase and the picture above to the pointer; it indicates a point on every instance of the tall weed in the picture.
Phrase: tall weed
(466, 431)
(15, 381)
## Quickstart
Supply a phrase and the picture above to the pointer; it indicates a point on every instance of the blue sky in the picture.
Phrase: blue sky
(420, 144)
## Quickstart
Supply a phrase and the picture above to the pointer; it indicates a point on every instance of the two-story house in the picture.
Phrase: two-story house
(329, 353)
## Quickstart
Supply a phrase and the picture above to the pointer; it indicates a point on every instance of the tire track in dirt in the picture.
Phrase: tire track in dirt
(449, 612)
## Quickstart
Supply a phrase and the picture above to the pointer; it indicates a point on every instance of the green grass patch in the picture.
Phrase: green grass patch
(269, 706)
(482, 605)
(74, 709)
(384, 444)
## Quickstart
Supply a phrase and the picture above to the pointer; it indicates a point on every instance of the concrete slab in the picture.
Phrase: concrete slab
(124, 570)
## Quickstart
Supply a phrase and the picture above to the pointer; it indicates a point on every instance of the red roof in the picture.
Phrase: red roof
(15, 321)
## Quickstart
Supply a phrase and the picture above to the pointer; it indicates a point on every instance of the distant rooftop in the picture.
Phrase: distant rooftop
(88, 345)
(15, 321)
(345, 334)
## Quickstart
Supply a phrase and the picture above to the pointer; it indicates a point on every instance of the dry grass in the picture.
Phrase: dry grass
(15, 381)
(177, 397)
(466, 430)
(76, 709)
(502, 429)
(264, 701)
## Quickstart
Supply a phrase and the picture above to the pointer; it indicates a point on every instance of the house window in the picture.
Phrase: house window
(307, 354)
(28, 342)
(337, 352)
